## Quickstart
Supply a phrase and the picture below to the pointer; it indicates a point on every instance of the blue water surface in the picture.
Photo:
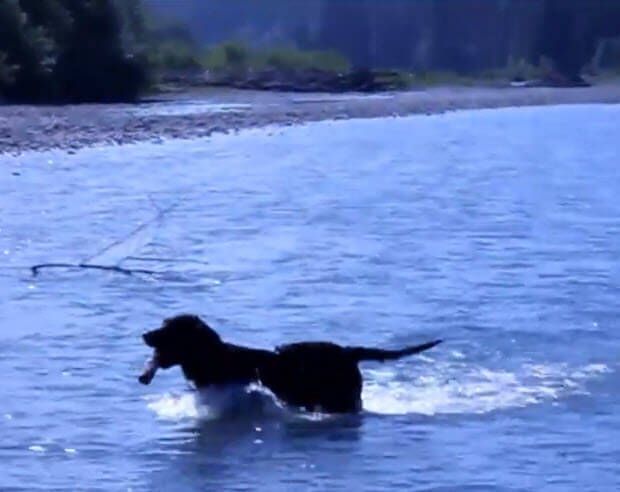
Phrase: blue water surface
(498, 230)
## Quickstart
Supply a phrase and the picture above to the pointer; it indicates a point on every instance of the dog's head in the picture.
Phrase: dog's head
(175, 342)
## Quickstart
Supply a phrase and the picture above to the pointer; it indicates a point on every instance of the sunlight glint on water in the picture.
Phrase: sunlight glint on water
(494, 230)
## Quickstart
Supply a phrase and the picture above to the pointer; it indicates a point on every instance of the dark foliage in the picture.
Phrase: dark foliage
(571, 29)
(464, 36)
(70, 51)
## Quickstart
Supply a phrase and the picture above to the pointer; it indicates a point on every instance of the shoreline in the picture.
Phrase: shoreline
(201, 113)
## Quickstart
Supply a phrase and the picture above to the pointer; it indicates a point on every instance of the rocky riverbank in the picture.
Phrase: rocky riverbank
(202, 113)
(309, 80)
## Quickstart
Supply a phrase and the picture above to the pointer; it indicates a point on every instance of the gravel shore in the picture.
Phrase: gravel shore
(201, 113)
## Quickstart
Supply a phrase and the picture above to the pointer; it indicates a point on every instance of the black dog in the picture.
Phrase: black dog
(312, 375)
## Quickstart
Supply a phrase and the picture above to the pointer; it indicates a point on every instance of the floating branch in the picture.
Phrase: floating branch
(118, 251)
(127, 271)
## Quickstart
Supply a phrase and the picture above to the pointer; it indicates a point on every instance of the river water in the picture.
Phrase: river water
(498, 230)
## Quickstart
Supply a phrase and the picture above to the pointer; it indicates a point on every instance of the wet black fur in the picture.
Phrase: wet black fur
(312, 375)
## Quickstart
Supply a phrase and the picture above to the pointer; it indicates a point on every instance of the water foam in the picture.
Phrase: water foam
(176, 407)
(466, 389)
(446, 388)
(214, 403)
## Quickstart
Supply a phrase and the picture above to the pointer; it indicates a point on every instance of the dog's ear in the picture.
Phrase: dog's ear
(208, 333)
(152, 338)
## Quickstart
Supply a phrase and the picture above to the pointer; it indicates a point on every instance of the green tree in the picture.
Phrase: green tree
(93, 64)
(28, 50)
(71, 50)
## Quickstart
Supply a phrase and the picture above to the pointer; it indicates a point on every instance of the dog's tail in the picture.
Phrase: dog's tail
(363, 353)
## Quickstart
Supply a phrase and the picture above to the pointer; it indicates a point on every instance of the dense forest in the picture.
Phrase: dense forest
(465, 36)
(105, 50)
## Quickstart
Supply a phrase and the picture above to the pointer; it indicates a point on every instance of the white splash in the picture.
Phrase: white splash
(176, 407)
(213, 403)
(463, 389)
(452, 387)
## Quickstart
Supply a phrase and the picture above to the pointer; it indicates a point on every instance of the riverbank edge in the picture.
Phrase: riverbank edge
(71, 127)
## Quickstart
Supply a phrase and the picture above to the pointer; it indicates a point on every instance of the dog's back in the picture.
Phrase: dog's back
(316, 376)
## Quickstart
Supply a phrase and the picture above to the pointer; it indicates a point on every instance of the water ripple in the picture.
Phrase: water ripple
(495, 230)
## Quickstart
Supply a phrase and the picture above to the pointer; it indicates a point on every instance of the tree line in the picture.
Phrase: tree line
(463, 36)
(106, 50)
